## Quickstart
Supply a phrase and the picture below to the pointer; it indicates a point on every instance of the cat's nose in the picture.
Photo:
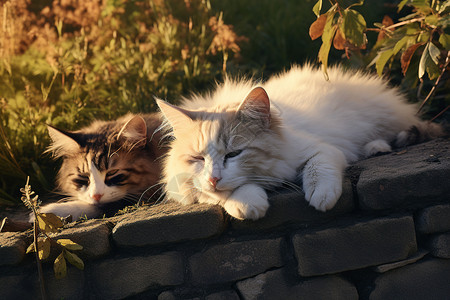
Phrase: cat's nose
(97, 197)
(213, 181)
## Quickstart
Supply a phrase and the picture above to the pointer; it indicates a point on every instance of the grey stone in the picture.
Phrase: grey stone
(429, 279)
(439, 245)
(410, 260)
(356, 246)
(287, 207)
(434, 219)
(93, 235)
(16, 287)
(413, 177)
(276, 285)
(234, 261)
(167, 223)
(167, 295)
(67, 288)
(224, 295)
(120, 278)
(12, 248)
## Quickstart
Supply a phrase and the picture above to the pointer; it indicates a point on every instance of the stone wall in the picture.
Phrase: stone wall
(387, 238)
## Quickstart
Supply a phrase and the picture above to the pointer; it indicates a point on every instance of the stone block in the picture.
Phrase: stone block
(439, 245)
(124, 277)
(288, 207)
(413, 177)
(12, 247)
(70, 287)
(410, 260)
(434, 219)
(224, 295)
(428, 279)
(168, 223)
(355, 246)
(234, 261)
(93, 235)
(16, 287)
(276, 285)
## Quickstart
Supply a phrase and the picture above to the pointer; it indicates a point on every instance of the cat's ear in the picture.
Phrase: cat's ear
(256, 105)
(134, 129)
(176, 116)
(62, 141)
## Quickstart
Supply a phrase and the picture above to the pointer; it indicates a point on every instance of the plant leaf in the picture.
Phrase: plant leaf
(339, 41)
(327, 38)
(401, 5)
(403, 42)
(49, 222)
(382, 59)
(30, 248)
(317, 7)
(44, 248)
(60, 266)
(69, 244)
(407, 55)
(316, 28)
(444, 40)
(353, 26)
(423, 61)
(434, 53)
(73, 259)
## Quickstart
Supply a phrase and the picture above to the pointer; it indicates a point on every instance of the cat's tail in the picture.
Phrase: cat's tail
(418, 133)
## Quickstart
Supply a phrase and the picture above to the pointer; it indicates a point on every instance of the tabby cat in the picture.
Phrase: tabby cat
(104, 163)
(245, 137)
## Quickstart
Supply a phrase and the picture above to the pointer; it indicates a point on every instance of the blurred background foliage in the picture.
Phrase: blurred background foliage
(68, 62)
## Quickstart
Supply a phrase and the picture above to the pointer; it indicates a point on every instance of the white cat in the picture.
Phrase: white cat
(244, 137)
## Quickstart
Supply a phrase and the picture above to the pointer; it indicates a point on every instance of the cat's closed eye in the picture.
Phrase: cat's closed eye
(116, 180)
(81, 181)
(196, 158)
(232, 154)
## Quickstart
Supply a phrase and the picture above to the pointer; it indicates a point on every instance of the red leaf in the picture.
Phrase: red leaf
(339, 42)
(316, 28)
(407, 55)
(387, 21)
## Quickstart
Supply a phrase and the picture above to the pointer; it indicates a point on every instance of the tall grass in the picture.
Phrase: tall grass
(68, 63)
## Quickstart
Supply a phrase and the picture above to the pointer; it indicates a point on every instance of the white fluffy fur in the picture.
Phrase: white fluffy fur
(324, 126)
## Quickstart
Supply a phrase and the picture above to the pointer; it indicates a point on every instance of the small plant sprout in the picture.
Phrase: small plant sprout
(43, 225)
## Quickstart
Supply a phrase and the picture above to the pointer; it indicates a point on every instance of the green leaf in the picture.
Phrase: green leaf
(432, 20)
(429, 60)
(69, 244)
(402, 43)
(353, 26)
(401, 5)
(422, 6)
(73, 259)
(382, 59)
(327, 39)
(60, 266)
(44, 248)
(30, 248)
(434, 53)
(49, 222)
(444, 40)
(444, 7)
(317, 8)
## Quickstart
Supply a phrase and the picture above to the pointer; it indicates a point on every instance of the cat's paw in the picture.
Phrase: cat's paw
(76, 209)
(323, 196)
(247, 202)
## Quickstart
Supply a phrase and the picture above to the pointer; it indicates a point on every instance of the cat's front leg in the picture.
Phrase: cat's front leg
(76, 209)
(247, 202)
(322, 177)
